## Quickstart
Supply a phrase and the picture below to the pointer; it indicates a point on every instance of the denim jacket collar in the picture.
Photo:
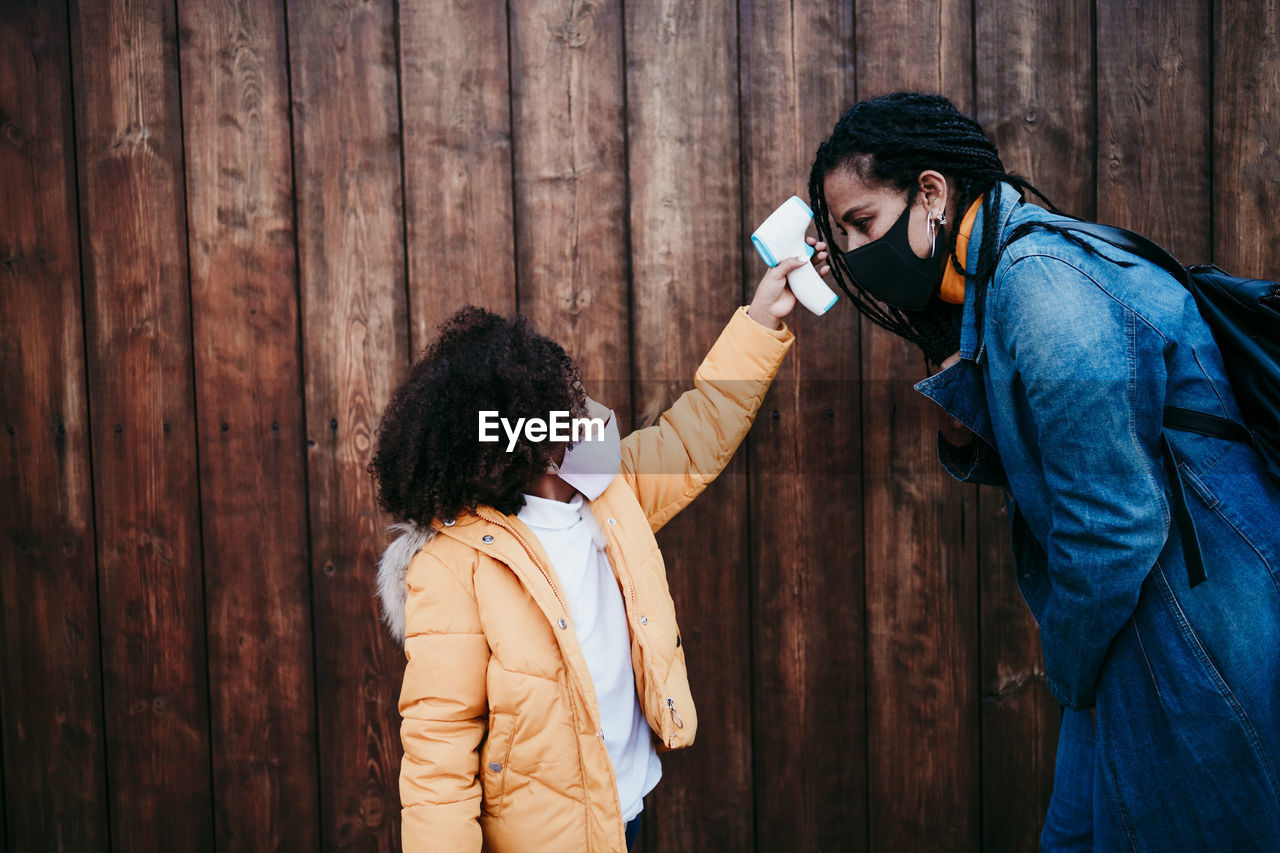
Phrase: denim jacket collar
(971, 339)
(958, 389)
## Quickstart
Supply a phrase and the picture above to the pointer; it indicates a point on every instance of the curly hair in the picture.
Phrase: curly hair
(889, 141)
(429, 462)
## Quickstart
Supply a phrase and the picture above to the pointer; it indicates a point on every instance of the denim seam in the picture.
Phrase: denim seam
(1131, 357)
(1114, 797)
(1224, 447)
(1043, 253)
(1142, 650)
(1224, 690)
(1222, 403)
(1217, 509)
(1214, 504)
(1206, 494)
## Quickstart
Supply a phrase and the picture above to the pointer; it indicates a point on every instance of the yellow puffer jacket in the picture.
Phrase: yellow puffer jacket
(501, 730)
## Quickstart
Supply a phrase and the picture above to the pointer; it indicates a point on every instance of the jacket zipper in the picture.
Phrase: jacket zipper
(545, 574)
(635, 605)
(675, 715)
(525, 543)
(676, 719)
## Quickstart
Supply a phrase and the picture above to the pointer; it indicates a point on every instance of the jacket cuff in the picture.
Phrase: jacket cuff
(746, 350)
(783, 334)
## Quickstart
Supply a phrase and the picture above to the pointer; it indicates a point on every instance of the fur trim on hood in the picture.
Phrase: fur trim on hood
(392, 569)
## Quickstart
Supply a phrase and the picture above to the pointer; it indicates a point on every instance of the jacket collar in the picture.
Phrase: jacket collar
(959, 389)
(509, 540)
(970, 335)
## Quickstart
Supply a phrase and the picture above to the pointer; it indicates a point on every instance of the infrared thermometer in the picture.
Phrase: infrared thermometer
(782, 236)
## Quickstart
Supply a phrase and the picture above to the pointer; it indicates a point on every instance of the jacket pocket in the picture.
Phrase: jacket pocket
(494, 755)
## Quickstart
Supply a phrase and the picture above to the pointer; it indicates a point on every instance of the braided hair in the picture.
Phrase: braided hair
(890, 140)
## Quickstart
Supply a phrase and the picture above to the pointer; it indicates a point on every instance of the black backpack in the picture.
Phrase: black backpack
(1244, 316)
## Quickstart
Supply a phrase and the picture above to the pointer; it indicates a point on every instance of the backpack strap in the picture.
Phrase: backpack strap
(1133, 243)
(1204, 423)
(1189, 420)
(1180, 515)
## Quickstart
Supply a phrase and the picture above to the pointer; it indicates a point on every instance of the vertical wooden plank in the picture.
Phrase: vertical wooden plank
(921, 584)
(683, 165)
(457, 160)
(570, 185)
(1034, 75)
(807, 608)
(137, 306)
(1246, 138)
(1153, 122)
(355, 341)
(1020, 718)
(249, 398)
(50, 682)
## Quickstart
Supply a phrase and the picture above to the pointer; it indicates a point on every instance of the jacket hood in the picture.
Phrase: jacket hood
(393, 568)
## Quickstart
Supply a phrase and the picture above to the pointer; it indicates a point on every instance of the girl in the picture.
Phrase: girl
(1058, 355)
(545, 666)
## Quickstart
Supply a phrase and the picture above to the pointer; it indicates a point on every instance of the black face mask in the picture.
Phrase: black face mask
(888, 269)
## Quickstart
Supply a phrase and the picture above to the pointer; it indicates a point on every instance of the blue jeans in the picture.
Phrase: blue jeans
(633, 829)
(1068, 825)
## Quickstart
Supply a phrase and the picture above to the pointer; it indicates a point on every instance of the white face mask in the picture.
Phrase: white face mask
(591, 464)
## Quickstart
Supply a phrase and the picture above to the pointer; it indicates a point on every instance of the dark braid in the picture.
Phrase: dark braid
(890, 140)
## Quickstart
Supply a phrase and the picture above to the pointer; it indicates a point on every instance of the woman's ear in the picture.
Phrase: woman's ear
(934, 191)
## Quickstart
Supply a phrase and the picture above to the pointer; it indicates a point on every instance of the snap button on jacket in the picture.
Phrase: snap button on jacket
(501, 728)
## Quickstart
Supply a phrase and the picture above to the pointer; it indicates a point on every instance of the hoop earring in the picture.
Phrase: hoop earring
(934, 222)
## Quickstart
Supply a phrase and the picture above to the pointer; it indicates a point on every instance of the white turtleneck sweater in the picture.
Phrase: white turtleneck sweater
(600, 622)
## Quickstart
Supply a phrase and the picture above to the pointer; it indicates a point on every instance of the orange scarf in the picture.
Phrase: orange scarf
(952, 281)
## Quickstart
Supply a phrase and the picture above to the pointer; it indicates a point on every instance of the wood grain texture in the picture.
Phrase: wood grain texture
(355, 343)
(50, 679)
(683, 167)
(1034, 98)
(1034, 78)
(571, 185)
(809, 693)
(249, 398)
(868, 679)
(1154, 73)
(1020, 718)
(457, 161)
(138, 318)
(921, 582)
(1246, 138)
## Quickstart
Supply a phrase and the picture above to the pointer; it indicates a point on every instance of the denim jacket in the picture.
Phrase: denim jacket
(1065, 384)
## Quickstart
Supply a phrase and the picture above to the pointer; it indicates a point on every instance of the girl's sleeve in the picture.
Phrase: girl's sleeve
(668, 464)
(444, 707)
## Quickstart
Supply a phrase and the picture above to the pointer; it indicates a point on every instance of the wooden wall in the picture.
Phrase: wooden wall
(227, 225)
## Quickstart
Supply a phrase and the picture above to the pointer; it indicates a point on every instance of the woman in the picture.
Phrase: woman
(545, 667)
(1058, 355)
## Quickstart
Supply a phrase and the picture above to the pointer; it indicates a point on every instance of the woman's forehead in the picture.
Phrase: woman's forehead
(848, 192)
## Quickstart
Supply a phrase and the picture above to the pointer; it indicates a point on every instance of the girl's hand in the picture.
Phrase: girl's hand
(773, 299)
